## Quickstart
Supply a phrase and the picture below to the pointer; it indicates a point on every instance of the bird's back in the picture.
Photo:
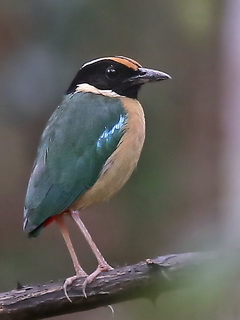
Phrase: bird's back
(79, 138)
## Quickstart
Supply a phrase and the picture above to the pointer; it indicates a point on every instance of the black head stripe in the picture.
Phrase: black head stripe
(106, 74)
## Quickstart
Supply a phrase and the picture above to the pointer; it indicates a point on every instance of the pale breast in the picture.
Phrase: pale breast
(120, 165)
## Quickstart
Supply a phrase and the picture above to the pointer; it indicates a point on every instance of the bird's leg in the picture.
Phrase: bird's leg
(102, 263)
(79, 270)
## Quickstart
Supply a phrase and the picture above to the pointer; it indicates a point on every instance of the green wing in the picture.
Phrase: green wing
(78, 139)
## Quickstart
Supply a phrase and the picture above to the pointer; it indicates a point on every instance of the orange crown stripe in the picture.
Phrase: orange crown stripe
(128, 62)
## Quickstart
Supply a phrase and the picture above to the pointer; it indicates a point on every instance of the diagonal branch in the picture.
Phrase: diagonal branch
(149, 278)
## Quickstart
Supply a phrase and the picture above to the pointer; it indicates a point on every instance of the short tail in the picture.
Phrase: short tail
(33, 231)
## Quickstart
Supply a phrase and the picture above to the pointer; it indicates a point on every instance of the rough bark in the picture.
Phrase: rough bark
(148, 279)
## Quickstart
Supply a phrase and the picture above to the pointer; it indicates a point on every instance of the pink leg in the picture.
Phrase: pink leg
(79, 270)
(102, 263)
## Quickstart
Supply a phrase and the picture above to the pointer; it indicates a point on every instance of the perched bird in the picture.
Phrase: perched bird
(89, 148)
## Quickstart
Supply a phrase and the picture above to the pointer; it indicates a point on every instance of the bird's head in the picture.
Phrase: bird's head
(119, 75)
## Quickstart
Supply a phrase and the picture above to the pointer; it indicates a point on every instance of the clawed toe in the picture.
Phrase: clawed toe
(68, 282)
(89, 279)
(93, 275)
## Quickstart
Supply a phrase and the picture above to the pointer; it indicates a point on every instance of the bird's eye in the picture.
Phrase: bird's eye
(111, 73)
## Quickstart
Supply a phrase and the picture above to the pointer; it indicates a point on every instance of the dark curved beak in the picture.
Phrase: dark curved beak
(145, 75)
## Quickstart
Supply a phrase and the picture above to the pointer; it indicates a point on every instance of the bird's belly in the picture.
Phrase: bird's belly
(120, 165)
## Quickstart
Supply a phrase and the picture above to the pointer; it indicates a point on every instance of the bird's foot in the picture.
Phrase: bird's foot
(69, 281)
(94, 274)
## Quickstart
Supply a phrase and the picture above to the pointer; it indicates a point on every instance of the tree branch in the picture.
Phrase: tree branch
(149, 278)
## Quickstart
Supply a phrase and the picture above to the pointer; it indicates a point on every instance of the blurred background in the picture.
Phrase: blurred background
(184, 195)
